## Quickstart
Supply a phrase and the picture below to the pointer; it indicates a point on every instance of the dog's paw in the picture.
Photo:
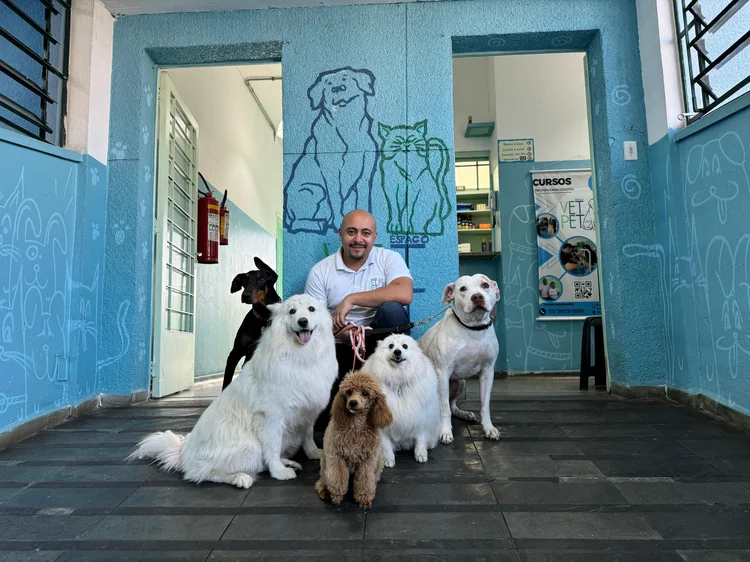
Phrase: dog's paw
(492, 433)
(291, 464)
(242, 480)
(420, 456)
(364, 502)
(470, 417)
(389, 462)
(315, 454)
(285, 473)
(322, 490)
(337, 499)
(446, 436)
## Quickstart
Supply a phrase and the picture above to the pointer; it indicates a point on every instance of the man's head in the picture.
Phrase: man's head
(544, 281)
(358, 233)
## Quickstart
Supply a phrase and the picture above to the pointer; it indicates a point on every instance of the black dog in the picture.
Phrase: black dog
(258, 291)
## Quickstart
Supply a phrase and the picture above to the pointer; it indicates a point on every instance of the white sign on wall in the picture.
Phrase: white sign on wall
(516, 150)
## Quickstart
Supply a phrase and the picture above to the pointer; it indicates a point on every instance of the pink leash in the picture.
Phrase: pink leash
(357, 339)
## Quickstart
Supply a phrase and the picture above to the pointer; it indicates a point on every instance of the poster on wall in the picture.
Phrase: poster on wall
(516, 150)
(567, 244)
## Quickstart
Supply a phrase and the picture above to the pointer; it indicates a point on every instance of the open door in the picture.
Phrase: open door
(174, 243)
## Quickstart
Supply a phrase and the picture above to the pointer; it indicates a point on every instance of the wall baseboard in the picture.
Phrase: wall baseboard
(52, 419)
(639, 392)
(711, 407)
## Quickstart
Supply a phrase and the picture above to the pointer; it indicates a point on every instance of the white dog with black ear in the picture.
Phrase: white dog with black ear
(410, 387)
(262, 418)
(464, 344)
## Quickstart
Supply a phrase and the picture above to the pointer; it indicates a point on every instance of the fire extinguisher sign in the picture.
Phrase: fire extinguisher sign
(213, 223)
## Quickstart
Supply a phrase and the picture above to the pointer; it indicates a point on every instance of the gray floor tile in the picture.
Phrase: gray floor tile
(600, 493)
(340, 555)
(28, 528)
(65, 454)
(599, 556)
(160, 527)
(645, 447)
(540, 466)
(719, 446)
(297, 527)
(610, 431)
(732, 467)
(422, 555)
(38, 556)
(594, 417)
(696, 430)
(491, 449)
(107, 555)
(287, 496)
(412, 493)
(19, 473)
(187, 496)
(599, 526)
(435, 526)
(69, 497)
(683, 492)
(644, 466)
(700, 525)
(715, 556)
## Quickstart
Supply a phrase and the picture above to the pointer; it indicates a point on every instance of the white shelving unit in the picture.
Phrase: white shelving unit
(474, 236)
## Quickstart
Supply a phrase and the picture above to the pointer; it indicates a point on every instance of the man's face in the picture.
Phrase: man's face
(358, 236)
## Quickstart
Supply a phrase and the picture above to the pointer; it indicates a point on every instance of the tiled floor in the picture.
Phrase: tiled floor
(576, 476)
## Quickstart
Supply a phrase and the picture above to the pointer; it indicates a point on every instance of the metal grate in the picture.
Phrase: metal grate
(712, 35)
(34, 46)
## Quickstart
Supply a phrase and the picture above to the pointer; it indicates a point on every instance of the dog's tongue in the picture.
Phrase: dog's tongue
(304, 336)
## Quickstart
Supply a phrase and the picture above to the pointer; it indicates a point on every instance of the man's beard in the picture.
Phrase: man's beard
(353, 249)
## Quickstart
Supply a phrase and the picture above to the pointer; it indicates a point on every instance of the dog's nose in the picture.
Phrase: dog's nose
(477, 298)
(302, 322)
(337, 89)
(352, 403)
(397, 352)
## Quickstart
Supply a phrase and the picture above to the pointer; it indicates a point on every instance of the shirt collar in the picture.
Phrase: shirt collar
(341, 266)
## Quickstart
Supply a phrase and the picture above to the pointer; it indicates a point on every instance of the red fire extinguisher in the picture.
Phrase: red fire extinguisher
(208, 226)
(224, 221)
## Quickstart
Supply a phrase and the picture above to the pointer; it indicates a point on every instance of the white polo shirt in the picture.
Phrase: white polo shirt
(330, 281)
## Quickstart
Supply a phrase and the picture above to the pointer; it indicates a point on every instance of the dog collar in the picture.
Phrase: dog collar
(266, 320)
(474, 328)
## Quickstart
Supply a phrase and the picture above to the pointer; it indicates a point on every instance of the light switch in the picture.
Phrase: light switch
(631, 150)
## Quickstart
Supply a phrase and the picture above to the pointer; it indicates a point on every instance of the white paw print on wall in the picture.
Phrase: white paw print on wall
(94, 176)
(144, 132)
(144, 250)
(120, 229)
(147, 174)
(142, 352)
(94, 231)
(143, 207)
(141, 298)
(118, 151)
(149, 95)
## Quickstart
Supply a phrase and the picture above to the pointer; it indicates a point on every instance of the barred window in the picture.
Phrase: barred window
(34, 45)
(713, 36)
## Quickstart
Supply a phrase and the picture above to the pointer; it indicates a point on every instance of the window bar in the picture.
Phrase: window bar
(25, 82)
(30, 53)
(29, 21)
(45, 74)
(63, 88)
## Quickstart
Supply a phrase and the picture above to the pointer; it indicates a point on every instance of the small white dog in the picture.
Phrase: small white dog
(263, 417)
(463, 344)
(410, 385)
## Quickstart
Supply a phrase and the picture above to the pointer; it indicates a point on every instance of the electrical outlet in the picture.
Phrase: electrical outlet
(631, 150)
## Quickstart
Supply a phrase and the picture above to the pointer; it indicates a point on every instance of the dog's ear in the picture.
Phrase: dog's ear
(495, 288)
(272, 296)
(315, 93)
(365, 81)
(448, 293)
(380, 414)
(263, 266)
(238, 282)
(339, 413)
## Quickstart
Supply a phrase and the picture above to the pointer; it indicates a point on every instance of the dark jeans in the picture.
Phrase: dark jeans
(389, 315)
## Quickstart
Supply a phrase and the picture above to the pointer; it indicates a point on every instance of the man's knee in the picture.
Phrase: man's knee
(391, 315)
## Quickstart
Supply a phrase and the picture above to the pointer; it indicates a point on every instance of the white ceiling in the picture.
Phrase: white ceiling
(163, 6)
(268, 92)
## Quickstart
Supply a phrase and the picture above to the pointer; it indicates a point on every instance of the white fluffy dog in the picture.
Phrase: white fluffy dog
(263, 417)
(410, 385)
(462, 345)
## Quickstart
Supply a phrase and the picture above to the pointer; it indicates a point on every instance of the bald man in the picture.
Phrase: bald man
(361, 285)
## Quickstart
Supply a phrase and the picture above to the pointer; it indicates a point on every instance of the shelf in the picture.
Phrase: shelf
(478, 255)
(473, 212)
(472, 230)
(473, 193)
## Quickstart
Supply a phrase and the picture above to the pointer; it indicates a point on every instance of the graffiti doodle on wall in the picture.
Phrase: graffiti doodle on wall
(413, 172)
(334, 173)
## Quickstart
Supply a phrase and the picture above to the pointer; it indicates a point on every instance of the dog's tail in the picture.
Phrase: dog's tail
(164, 447)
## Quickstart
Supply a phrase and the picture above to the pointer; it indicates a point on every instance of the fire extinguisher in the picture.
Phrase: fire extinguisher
(224, 221)
(208, 226)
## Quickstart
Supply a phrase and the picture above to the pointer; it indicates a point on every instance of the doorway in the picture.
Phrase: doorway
(219, 129)
(526, 202)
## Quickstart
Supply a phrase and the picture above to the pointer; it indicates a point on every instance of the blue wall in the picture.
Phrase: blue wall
(219, 313)
(701, 179)
(533, 346)
(405, 54)
(52, 236)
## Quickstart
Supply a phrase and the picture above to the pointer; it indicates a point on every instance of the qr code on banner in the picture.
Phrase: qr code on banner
(583, 290)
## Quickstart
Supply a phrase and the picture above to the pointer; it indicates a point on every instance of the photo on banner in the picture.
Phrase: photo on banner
(567, 244)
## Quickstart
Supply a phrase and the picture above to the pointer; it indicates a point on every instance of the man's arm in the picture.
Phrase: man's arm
(314, 287)
(400, 290)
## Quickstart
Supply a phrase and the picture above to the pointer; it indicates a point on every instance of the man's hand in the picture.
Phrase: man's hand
(339, 315)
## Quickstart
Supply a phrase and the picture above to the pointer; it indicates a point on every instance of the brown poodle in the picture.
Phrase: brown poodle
(351, 444)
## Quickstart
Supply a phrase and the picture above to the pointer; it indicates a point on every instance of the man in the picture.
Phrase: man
(361, 285)
(544, 291)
